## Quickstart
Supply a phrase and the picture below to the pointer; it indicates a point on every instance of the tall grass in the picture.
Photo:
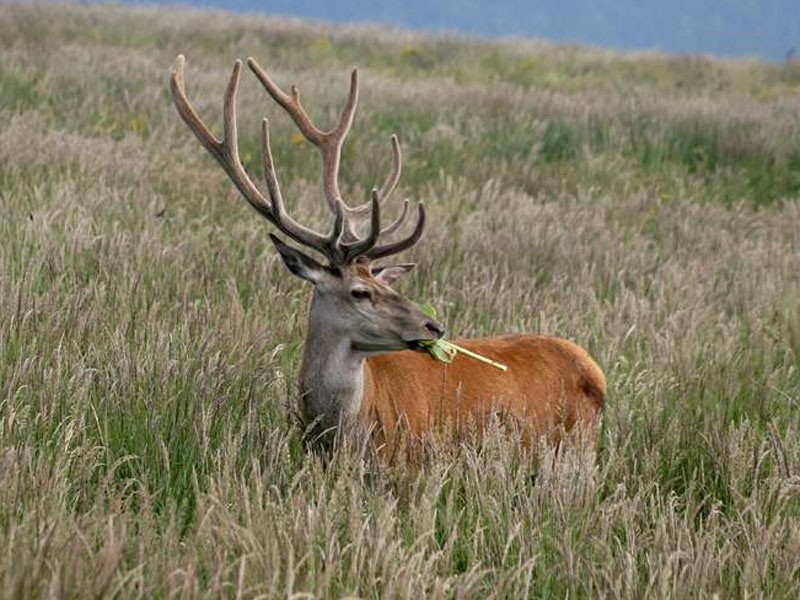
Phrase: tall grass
(643, 205)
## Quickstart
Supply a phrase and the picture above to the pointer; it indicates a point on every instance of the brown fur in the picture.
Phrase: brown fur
(551, 385)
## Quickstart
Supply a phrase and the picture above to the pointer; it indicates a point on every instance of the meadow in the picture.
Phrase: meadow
(646, 206)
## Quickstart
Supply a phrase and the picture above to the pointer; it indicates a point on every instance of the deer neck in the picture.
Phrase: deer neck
(332, 373)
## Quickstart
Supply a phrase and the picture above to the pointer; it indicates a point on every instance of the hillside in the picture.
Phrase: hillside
(734, 28)
(646, 206)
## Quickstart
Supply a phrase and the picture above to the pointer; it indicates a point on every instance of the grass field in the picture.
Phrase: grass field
(646, 206)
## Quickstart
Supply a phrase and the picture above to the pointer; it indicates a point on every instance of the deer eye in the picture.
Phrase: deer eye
(361, 294)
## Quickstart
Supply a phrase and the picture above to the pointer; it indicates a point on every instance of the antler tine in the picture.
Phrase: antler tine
(367, 247)
(349, 110)
(335, 237)
(388, 186)
(394, 176)
(224, 150)
(291, 104)
(359, 212)
(400, 245)
(329, 142)
(330, 248)
(268, 166)
(332, 150)
(398, 221)
(362, 247)
(226, 153)
(188, 113)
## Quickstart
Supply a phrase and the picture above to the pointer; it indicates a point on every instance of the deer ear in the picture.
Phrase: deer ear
(389, 275)
(300, 264)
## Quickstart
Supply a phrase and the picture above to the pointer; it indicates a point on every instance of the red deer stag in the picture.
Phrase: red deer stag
(362, 362)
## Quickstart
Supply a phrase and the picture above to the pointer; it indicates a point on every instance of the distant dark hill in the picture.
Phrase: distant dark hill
(766, 28)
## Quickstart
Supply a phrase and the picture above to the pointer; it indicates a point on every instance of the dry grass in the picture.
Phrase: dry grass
(646, 206)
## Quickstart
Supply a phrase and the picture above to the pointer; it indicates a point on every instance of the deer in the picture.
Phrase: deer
(363, 366)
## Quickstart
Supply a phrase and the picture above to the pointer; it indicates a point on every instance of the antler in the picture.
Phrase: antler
(341, 246)
(330, 144)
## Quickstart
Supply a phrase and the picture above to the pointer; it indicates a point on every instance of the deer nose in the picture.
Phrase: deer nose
(434, 328)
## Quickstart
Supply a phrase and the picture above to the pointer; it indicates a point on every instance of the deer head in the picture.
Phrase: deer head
(353, 303)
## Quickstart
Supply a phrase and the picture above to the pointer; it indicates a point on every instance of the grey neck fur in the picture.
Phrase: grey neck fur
(332, 375)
